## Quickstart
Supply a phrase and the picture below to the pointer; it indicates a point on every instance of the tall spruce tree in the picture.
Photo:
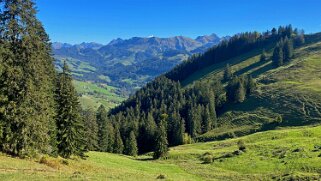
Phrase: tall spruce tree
(131, 145)
(277, 57)
(27, 107)
(161, 147)
(228, 74)
(91, 130)
(102, 128)
(110, 137)
(118, 142)
(206, 119)
(240, 92)
(288, 50)
(69, 123)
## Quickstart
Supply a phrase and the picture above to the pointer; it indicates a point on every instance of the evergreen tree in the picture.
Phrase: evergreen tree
(118, 142)
(161, 147)
(277, 56)
(110, 137)
(240, 92)
(228, 73)
(263, 57)
(251, 85)
(27, 106)
(207, 122)
(70, 127)
(287, 50)
(91, 130)
(102, 128)
(131, 145)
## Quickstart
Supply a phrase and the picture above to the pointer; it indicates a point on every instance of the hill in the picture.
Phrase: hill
(197, 102)
(127, 65)
(291, 92)
(284, 154)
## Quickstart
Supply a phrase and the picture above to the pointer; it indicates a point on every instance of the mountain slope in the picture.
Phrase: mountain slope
(291, 92)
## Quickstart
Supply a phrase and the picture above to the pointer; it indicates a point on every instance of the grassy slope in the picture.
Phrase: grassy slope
(292, 91)
(291, 152)
(93, 95)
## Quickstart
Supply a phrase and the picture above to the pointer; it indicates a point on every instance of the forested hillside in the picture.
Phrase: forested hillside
(226, 101)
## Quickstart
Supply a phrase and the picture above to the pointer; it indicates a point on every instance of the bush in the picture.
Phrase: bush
(187, 139)
(207, 158)
(49, 162)
(241, 145)
(161, 176)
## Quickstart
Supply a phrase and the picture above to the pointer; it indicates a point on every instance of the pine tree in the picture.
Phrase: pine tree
(287, 50)
(228, 73)
(27, 107)
(277, 56)
(251, 85)
(263, 57)
(206, 119)
(161, 147)
(118, 142)
(102, 128)
(110, 137)
(69, 123)
(131, 145)
(240, 92)
(91, 130)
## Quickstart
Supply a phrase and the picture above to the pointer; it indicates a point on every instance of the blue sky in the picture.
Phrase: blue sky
(76, 21)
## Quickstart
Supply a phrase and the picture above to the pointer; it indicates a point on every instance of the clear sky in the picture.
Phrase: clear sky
(76, 21)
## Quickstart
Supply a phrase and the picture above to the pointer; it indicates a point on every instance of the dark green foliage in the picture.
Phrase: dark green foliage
(206, 119)
(131, 145)
(161, 147)
(102, 128)
(228, 73)
(287, 50)
(69, 123)
(118, 146)
(239, 88)
(277, 57)
(263, 57)
(27, 106)
(91, 130)
(240, 92)
(251, 85)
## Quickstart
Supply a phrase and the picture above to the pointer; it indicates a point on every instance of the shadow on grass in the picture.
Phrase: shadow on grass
(250, 67)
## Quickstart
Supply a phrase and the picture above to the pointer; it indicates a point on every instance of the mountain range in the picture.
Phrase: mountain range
(129, 63)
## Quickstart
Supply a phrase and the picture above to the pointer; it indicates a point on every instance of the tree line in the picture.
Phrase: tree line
(39, 108)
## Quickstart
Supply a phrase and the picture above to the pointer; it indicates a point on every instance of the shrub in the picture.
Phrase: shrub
(207, 158)
(241, 145)
(161, 176)
(49, 162)
(187, 139)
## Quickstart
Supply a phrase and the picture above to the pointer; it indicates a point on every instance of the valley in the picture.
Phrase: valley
(125, 65)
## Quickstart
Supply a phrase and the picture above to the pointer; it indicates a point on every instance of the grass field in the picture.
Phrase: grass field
(287, 153)
(92, 95)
